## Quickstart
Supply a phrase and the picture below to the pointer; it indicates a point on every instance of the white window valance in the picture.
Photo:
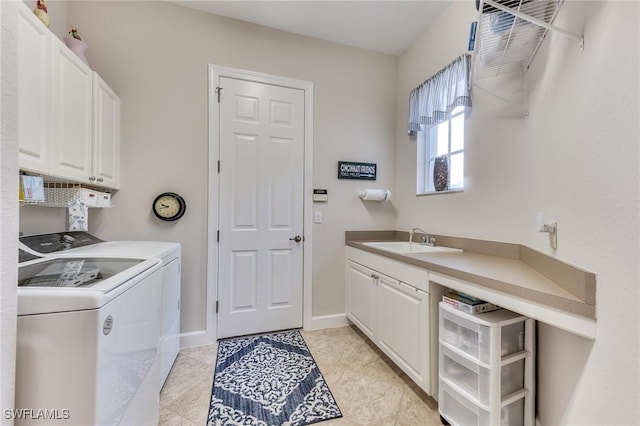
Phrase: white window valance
(432, 102)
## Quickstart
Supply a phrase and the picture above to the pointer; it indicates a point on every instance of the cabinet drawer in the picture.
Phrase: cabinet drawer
(475, 379)
(474, 339)
(458, 410)
(401, 271)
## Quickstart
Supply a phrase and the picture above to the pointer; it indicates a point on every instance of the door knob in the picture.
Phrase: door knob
(297, 238)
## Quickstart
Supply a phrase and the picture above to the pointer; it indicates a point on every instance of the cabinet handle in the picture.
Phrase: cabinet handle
(100, 179)
(92, 178)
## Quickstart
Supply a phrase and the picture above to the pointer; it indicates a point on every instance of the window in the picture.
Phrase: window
(436, 113)
(441, 143)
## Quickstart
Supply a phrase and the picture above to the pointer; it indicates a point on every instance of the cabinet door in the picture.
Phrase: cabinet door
(106, 134)
(360, 298)
(72, 87)
(403, 328)
(34, 92)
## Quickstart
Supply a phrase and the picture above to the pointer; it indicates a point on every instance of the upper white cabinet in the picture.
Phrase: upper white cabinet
(69, 118)
(106, 135)
(34, 92)
(72, 106)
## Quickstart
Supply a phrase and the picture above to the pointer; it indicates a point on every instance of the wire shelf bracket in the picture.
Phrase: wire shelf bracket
(522, 107)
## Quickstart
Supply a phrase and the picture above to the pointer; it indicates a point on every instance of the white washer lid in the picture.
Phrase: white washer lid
(147, 249)
(38, 293)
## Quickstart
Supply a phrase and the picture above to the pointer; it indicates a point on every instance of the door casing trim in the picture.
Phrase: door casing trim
(215, 72)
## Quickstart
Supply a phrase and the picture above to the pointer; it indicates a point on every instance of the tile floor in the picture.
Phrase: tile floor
(369, 389)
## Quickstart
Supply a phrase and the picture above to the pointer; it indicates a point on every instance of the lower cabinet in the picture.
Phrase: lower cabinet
(361, 283)
(403, 328)
(394, 315)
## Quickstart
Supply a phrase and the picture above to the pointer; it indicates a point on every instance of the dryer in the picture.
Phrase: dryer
(79, 243)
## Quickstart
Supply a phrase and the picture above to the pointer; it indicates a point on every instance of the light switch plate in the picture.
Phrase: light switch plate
(317, 217)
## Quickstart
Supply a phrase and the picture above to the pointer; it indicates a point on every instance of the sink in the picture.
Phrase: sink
(405, 247)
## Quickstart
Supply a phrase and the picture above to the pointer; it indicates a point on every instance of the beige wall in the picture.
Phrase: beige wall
(155, 56)
(576, 159)
(581, 150)
(486, 208)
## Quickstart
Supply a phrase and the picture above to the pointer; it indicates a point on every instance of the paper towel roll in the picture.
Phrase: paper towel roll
(375, 194)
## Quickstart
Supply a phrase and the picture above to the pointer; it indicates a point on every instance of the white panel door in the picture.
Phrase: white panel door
(261, 208)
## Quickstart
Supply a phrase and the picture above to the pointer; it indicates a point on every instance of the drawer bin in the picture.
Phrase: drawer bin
(475, 379)
(458, 410)
(474, 339)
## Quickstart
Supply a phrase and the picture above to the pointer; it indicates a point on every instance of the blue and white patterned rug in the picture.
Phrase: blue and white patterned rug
(269, 380)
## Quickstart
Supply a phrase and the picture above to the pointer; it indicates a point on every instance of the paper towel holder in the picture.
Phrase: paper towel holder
(374, 194)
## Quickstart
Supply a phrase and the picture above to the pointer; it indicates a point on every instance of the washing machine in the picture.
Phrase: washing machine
(87, 341)
(79, 243)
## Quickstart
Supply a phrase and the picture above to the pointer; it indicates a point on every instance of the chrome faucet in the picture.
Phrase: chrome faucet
(425, 239)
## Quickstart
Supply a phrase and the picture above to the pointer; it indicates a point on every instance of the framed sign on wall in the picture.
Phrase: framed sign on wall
(357, 170)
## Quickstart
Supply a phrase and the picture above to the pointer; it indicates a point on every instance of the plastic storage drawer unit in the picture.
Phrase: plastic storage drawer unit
(465, 413)
(473, 338)
(486, 368)
(476, 379)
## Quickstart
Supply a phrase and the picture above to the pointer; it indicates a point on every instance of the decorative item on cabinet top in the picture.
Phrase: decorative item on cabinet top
(75, 43)
(59, 194)
(41, 12)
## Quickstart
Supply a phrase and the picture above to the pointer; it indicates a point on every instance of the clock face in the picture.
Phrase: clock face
(169, 206)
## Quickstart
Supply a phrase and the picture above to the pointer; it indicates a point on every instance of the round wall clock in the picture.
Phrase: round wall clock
(169, 206)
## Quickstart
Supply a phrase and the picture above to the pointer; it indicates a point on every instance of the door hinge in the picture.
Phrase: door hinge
(219, 92)
(218, 166)
(218, 235)
(216, 306)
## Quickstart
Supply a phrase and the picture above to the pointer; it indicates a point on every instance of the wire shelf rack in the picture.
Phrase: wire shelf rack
(57, 194)
(508, 36)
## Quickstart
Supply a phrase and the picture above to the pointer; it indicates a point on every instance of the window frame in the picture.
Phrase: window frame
(425, 160)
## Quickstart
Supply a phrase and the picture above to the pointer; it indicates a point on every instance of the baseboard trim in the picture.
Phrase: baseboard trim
(193, 339)
(201, 337)
(329, 321)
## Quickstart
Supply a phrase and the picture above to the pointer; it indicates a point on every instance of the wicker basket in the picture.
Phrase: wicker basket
(64, 195)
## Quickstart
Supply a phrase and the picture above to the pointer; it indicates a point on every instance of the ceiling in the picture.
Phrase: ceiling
(386, 26)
